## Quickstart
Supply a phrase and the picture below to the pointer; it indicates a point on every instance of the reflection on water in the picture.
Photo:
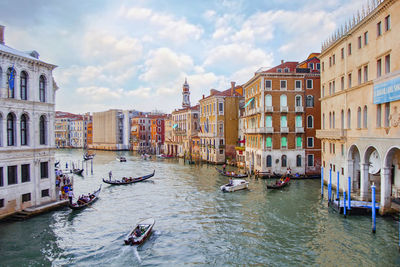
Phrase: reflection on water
(195, 222)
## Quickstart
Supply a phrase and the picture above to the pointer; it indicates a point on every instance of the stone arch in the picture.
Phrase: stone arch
(391, 168)
(354, 167)
(369, 173)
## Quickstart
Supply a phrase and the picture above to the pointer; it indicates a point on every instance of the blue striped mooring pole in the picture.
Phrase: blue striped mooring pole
(337, 186)
(330, 185)
(344, 203)
(349, 206)
(322, 182)
(373, 209)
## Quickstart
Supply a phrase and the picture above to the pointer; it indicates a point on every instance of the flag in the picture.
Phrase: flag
(249, 102)
(175, 125)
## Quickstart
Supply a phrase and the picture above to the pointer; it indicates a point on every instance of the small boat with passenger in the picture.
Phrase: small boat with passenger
(121, 159)
(235, 185)
(77, 171)
(280, 183)
(129, 180)
(88, 156)
(140, 233)
(85, 200)
(231, 174)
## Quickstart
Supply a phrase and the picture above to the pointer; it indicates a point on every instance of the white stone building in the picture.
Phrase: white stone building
(27, 175)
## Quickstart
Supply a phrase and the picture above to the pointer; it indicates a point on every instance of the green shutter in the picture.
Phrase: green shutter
(298, 121)
(284, 141)
(269, 142)
(268, 121)
(299, 141)
(283, 121)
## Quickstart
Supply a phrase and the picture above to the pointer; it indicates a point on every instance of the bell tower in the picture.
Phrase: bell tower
(185, 95)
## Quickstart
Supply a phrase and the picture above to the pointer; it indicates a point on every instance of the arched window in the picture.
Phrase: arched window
(42, 89)
(11, 82)
(323, 121)
(310, 121)
(365, 117)
(298, 101)
(24, 130)
(342, 119)
(284, 161)
(283, 101)
(359, 118)
(42, 130)
(269, 161)
(284, 142)
(23, 85)
(10, 130)
(348, 119)
(268, 142)
(333, 120)
(298, 161)
(1, 123)
(330, 120)
(310, 101)
(268, 100)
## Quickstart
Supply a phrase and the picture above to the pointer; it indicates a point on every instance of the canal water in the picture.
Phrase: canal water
(196, 224)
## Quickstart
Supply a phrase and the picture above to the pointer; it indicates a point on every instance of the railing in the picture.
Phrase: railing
(284, 109)
(269, 109)
(299, 109)
(299, 129)
(284, 129)
(332, 134)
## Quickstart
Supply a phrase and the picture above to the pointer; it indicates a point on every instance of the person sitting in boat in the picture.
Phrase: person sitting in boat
(230, 182)
(224, 167)
(138, 233)
(288, 171)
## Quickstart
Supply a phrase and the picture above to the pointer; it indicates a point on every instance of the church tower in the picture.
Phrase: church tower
(185, 95)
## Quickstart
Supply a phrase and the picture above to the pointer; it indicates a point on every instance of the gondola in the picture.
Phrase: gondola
(121, 159)
(268, 175)
(231, 174)
(81, 205)
(144, 230)
(130, 180)
(88, 156)
(279, 184)
(77, 171)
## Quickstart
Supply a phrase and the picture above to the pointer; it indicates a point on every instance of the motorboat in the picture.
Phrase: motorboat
(235, 185)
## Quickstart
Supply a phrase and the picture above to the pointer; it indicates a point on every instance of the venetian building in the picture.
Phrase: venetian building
(360, 97)
(27, 143)
(281, 115)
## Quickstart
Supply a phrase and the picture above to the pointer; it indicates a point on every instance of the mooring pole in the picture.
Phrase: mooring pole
(91, 166)
(337, 185)
(349, 207)
(373, 209)
(344, 203)
(322, 182)
(330, 185)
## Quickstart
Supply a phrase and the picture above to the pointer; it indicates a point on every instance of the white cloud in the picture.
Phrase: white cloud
(99, 93)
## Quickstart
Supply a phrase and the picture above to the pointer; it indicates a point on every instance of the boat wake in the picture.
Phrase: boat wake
(137, 253)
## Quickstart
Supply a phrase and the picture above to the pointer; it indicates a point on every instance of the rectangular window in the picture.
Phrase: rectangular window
(26, 197)
(365, 74)
(365, 38)
(25, 173)
(359, 42)
(2, 203)
(334, 59)
(387, 64)
(12, 175)
(387, 114)
(298, 121)
(342, 83)
(323, 66)
(299, 142)
(269, 161)
(330, 61)
(379, 29)
(333, 87)
(283, 121)
(221, 108)
(378, 115)
(309, 84)
(45, 193)
(378, 68)
(284, 142)
(279, 70)
(269, 142)
(1, 177)
(323, 91)
(359, 76)
(342, 53)
(283, 85)
(349, 49)
(387, 23)
(268, 84)
(311, 65)
(342, 149)
(310, 142)
(298, 85)
(318, 66)
(268, 121)
(349, 80)
(310, 160)
(44, 170)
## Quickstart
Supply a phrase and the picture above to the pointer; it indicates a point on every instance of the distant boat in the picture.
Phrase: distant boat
(146, 156)
(140, 233)
(279, 184)
(121, 159)
(77, 171)
(130, 180)
(87, 156)
(237, 184)
(231, 174)
(80, 204)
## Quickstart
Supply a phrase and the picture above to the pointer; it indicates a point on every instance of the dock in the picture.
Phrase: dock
(356, 207)
(36, 210)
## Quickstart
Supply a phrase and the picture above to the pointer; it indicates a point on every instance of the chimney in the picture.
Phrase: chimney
(203, 96)
(232, 87)
(1, 34)
(282, 61)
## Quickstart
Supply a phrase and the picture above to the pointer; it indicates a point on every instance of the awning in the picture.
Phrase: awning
(249, 102)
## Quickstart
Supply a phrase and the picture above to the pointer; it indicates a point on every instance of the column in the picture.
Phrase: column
(385, 190)
(364, 195)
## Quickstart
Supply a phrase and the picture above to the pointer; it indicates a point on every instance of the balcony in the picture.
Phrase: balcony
(284, 109)
(269, 109)
(338, 134)
(299, 129)
(284, 129)
(252, 111)
(299, 109)
(251, 131)
(180, 132)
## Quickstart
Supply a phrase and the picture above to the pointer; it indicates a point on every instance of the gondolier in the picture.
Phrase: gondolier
(70, 196)
(110, 175)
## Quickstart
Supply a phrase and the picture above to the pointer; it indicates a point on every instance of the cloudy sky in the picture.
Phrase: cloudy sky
(136, 54)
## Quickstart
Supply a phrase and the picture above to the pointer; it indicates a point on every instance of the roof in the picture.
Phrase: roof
(62, 114)
(227, 92)
(291, 65)
(27, 55)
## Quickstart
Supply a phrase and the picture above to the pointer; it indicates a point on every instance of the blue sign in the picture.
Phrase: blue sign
(387, 91)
